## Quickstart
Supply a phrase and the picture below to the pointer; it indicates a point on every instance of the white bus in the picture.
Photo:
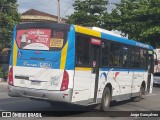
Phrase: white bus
(77, 65)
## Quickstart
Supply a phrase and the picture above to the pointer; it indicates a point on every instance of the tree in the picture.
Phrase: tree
(140, 19)
(88, 12)
(8, 17)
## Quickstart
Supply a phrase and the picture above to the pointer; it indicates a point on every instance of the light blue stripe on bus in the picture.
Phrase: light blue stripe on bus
(122, 69)
(125, 40)
(70, 62)
(13, 39)
(51, 58)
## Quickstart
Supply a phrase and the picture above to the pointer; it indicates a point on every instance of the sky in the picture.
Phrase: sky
(50, 6)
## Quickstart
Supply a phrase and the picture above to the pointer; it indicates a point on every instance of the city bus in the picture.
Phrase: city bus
(72, 64)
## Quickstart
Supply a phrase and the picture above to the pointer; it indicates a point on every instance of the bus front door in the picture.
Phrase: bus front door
(95, 61)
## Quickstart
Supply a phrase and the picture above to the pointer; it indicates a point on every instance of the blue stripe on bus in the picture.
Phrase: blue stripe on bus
(125, 40)
(122, 69)
(70, 62)
(13, 39)
(38, 64)
(51, 59)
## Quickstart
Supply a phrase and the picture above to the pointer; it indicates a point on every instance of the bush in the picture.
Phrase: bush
(5, 76)
(1, 73)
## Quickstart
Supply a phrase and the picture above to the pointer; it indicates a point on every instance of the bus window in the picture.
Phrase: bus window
(143, 58)
(105, 53)
(135, 58)
(82, 51)
(125, 56)
(115, 51)
(40, 39)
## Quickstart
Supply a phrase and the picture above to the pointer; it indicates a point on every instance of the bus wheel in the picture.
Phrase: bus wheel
(106, 98)
(139, 97)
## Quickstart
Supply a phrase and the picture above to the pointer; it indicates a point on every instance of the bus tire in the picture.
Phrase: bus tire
(106, 98)
(139, 97)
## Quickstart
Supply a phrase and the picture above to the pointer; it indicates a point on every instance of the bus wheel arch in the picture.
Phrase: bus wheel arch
(106, 97)
(109, 86)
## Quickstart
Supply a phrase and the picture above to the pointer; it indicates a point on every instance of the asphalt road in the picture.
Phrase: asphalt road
(150, 102)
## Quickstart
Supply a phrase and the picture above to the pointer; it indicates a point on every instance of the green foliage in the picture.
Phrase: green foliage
(0, 69)
(1, 73)
(8, 17)
(88, 12)
(138, 18)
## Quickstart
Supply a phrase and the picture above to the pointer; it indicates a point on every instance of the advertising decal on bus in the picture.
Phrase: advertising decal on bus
(34, 39)
(57, 40)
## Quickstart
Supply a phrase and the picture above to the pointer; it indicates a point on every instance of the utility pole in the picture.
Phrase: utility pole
(59, 11)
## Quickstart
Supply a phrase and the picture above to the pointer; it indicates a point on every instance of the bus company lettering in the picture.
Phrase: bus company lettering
(142, 45)
(29, 64)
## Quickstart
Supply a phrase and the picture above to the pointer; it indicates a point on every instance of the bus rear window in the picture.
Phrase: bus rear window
(40, 39)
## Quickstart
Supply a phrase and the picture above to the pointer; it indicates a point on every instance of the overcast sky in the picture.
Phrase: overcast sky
(50, 6)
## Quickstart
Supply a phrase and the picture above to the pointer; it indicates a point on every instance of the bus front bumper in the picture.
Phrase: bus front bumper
(44, 95)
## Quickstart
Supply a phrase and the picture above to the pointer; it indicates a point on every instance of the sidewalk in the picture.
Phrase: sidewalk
(4, 82)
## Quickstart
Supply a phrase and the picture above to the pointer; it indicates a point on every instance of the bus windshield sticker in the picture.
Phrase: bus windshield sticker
(36, 39)
(56, 42)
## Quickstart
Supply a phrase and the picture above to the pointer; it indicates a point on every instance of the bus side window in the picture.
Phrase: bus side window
(125, 56)
(115, 51)
(135, 58)
(143, 58)
(82, 50)
(105, 53)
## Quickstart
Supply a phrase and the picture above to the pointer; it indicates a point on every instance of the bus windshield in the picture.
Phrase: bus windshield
(40, 39)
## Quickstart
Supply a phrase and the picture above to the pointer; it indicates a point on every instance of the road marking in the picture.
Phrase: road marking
(150, 94)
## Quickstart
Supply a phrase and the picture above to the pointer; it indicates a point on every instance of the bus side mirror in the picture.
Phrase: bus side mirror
(155, 62)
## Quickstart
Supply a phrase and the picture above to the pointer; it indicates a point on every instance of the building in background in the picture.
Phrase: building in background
(33, 15)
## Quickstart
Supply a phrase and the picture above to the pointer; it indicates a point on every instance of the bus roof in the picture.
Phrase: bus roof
(102, 35)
